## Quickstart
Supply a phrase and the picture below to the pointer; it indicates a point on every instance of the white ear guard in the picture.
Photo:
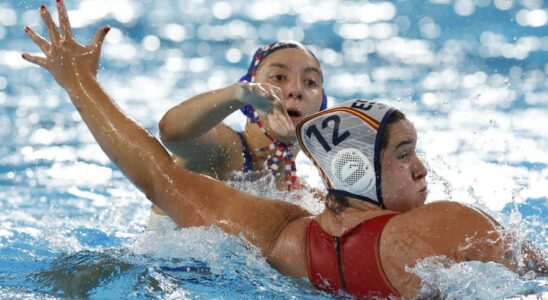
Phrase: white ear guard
(344, 144)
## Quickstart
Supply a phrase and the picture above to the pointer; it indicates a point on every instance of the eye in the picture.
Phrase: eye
(311, 83)
(278, 77)
(403, 156)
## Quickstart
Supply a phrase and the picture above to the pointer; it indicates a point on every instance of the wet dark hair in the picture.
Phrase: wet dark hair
(336, 203)
(395, 117)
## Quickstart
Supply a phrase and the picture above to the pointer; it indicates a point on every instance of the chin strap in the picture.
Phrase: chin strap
(282, 157)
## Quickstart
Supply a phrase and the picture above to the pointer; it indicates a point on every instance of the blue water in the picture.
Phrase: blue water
(471, 74)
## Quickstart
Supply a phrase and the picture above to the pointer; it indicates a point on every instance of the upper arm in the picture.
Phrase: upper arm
(290, 253)
(447, 228)
(443, 228)
(191, 199)
(206, 152)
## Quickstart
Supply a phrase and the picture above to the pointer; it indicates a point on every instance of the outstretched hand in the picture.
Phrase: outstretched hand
(66, 59)
(268, 99)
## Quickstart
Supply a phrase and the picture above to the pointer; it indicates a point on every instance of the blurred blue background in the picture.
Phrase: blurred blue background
(471, 74)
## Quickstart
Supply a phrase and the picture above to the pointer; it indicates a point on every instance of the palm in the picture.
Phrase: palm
(66, 59)
(69, 59)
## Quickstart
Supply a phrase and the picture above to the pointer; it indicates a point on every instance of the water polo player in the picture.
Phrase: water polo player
(283, 82)
(376, 226)
(282, 85)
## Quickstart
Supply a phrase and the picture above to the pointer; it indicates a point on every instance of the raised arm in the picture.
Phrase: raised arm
(190, 199)
(193, 128)
(74, 67)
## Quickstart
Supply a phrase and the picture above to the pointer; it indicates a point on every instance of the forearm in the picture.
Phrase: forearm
(137, 153)
(199, 114)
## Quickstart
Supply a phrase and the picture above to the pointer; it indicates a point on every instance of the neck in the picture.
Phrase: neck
(356, 212)
(362, 205)
(256, 139)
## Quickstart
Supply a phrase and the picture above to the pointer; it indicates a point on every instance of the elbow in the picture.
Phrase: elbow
(167, 131)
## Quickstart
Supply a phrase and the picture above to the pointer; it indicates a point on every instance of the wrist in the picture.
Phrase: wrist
(79, 83)
(239, 93)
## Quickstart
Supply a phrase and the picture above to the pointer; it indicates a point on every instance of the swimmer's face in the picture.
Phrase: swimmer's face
(403, 180)
(298, 75)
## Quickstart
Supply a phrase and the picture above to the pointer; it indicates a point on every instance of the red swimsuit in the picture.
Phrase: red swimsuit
(351, 262)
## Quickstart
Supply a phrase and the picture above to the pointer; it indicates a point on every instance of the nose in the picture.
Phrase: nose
(419, 170)
(295, 88)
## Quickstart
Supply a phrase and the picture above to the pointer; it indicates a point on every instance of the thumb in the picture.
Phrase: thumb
(100, 36)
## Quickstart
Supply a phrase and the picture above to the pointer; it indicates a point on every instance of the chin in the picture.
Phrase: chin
(296, 120)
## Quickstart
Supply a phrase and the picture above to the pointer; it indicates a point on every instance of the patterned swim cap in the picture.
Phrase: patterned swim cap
(344, 143)
(260, 55)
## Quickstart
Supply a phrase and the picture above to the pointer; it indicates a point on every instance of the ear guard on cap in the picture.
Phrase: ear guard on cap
(344, 144)
(353, 171)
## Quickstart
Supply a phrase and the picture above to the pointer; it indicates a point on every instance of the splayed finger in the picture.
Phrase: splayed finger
(41, 61)
(38, 40)
(64, 22)
(99, 37)
(50, 25)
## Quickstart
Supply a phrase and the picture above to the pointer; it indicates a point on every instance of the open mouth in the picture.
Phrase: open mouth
(294, 113)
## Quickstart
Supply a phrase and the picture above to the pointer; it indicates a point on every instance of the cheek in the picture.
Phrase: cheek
(394, 181)
(394, 170)
(313, 106)
(318, 97)
(307, 111)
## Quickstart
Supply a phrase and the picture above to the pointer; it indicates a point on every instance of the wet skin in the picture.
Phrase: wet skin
(276, 228)
(403, 181)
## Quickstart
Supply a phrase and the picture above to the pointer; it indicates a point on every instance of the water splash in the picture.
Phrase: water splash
(264, 184)
(476, 280)
(52, 216)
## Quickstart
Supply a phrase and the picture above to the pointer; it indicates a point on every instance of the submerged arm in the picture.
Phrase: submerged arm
(448, 229)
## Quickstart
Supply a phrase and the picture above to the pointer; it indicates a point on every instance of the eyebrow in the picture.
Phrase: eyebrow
(306, 70)
(312, 69)
(279, 65)
(403, 143)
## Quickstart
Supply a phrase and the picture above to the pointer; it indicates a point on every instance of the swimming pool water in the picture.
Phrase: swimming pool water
(471, 74)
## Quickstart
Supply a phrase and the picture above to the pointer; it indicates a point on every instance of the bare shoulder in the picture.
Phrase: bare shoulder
(440, 215)
(289, 254)
(227, 138)
(442, 228)
(229, 151)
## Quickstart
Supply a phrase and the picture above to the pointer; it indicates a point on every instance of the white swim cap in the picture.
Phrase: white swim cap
(344, 143)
